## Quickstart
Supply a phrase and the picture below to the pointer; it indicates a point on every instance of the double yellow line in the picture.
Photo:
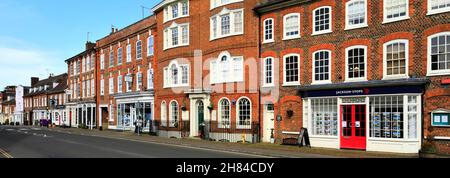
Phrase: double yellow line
(4, 153)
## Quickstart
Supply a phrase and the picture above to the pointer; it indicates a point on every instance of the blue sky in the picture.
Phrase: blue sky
(37, 36)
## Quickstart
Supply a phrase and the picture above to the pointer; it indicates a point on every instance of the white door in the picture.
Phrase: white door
(269, 122)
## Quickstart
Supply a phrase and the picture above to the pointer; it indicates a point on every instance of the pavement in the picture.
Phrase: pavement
(26, 141)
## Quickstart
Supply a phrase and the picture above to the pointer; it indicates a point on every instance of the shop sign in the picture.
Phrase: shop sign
(364, 91)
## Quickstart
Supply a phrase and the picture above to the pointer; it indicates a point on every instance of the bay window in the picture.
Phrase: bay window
(227, 23)
(173, 38)
(176, 10)
(227, 69)
(176, 75)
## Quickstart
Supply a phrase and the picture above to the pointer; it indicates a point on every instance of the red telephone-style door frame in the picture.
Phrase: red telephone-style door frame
(353, 127)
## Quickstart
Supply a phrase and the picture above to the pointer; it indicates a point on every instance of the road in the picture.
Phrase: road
(26, 142)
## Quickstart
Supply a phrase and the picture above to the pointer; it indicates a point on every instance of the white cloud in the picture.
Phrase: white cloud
(19, 62)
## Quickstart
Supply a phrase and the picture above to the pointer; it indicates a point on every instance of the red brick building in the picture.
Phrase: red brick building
(359, 74)
(125, 76)
(81, 106)
(207, 83)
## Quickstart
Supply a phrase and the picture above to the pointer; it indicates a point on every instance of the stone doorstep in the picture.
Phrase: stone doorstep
(258, 149)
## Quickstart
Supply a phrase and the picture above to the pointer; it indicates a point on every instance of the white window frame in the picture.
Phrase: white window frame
(150, 79)
(119, 56)
(429, 71)
(168, 83)
(239, 126)
(218, 18)
(347, 25)
(285, 83)
(168, 16)
(150, 46)
(102, 87)
(330, 30)
(233, 63)
(111, 58)
(119, 84)
(164, 114)
(218, 3)
(168, 36)
(359, 79)
(102, 61)
(128, 53)
(265, 84)
(271, 40)
(330, 73)
(401, 76)
(138, 54)
(284, 26)
(436, 11)
(171, 115)
(111, 85)
(219, 104)
(141, 83)
(386, 20)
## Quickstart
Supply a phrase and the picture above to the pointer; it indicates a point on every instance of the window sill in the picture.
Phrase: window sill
(434, 12)
(291, 84)
(386, 21)
(433, 74)
(321, 33)
(356, 27)
(244, 127)
(395, 77)
(321, 82)
(268, 41)
(355, 80)
(291, 38)
(179, 17)
(226, 36)
(268, 86)
(172, 47)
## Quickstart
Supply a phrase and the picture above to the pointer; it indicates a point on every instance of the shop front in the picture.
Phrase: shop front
(135, 109)
(374, 116)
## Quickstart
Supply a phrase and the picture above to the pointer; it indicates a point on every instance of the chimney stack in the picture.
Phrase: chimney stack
(34, 80)
(90, 45)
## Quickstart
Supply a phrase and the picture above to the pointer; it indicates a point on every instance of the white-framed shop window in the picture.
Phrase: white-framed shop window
(268, 30)
(438, 6)
(356, 63)
(395, 10)
(396, 59)
(322, 67)
(355, 14)
(438, 58)
(322, 20)
(324, 117)
(291, 66)
(291, 26)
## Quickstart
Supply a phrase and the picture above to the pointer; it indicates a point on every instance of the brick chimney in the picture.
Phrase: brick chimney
(90, 45)
(34, 80)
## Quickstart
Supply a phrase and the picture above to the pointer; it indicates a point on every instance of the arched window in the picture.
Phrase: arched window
(226, 69)
(176, 75)
(224, 113)
(322, 20)
(439, 54)
(396, 59)
(322, 67)
(291, 26)
(163, 114)
(244, 113)
(173, 114)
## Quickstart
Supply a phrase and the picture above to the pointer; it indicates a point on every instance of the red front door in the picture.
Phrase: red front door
(353, 122)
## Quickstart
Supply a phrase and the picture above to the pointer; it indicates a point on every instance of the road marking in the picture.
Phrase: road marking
(181, 146)
(5, 154)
